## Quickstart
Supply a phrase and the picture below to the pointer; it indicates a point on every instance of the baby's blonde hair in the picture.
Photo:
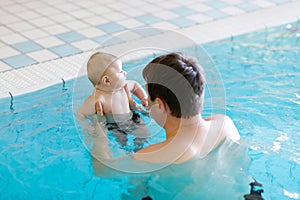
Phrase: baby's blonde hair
(97, 65)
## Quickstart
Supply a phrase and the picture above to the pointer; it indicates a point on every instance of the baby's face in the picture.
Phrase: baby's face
(116, 74)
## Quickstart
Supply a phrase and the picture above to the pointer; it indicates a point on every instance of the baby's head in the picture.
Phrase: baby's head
(98, 64)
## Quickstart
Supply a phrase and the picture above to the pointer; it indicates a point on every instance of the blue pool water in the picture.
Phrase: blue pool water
(42, 156)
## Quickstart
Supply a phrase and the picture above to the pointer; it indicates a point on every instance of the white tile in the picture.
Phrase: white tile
(128, 36)
(115, 16)
(27, 15)
(197, 34)
(233, 2)
(91, 32)
(75, 25)
(199, 7)
(85, 45)
(4, 66)
(22, 1)
(2, 44)
(20, 26)
(13, 38)
(67, 7)
(187, 2)
(48, 11)
(133, 12)
(9, 18)
(138, 3)
(165, 15)
(7, 51)
(56, 29)
(167, 4)
(199, 18)
(262, 3)
(56, 2)
(81, 13)
(29, 76)
(43, 55)
(11, 81)
(86, 4)
(35, 5)
(3, 13)
(42, 21)
(95, 20)
(14, 8)
(151, 8)
(130, 23)
(35, 34)
(231, 10)
(49, 42)
(6, 3)
(164, 26)
(100, 10)
(119, 6)
(61, 17)
(155, 1)
(4, 31)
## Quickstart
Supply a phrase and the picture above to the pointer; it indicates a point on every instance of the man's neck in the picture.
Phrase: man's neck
(173, 124)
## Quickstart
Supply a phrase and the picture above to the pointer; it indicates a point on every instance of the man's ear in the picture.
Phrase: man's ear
(105, 80)
(162, 104)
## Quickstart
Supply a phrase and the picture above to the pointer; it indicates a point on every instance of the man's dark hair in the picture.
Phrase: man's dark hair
(179, 81)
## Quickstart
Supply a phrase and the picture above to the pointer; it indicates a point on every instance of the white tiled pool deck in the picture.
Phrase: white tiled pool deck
(44, 42)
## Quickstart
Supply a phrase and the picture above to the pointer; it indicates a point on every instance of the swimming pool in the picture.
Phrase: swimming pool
(42, 156)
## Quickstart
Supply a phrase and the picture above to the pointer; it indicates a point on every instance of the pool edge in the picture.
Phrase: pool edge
(35, 77)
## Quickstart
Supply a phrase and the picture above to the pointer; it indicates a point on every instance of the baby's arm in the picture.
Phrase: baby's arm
(88, 107)
(138, 91)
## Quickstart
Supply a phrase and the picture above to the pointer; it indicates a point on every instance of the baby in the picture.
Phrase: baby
(112, 92)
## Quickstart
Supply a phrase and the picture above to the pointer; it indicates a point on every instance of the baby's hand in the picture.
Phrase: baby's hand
(98, 108)
(139, 107)
(145, 102)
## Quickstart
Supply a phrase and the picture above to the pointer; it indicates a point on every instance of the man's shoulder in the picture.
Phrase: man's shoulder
(219, 117)
(150, 153)
(228, 127)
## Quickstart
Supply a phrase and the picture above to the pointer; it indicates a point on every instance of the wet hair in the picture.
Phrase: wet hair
(179, 81)
(97, 65)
